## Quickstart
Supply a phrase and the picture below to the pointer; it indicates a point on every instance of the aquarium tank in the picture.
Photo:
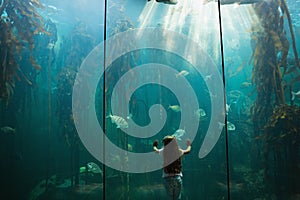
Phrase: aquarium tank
(95, 93)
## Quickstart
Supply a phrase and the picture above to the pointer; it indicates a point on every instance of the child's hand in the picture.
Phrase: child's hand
(188, 142)
(155, 143)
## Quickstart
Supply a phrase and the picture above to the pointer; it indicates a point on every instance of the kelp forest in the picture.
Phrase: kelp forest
(275, 116)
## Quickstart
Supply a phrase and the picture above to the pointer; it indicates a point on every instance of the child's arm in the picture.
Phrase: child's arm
(189, 147)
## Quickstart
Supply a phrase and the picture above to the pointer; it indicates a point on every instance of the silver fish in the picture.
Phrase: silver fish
(179, 133)
(208, 77)
(52, 7)
(227, 108)
(182, 73)
(94, 168)
(200, 114)
(119, 121)
(8, 130)
(230, 126)
(175, 108)
(295, 94)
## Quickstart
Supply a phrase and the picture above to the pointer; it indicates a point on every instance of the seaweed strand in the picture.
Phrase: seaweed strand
(283, 2)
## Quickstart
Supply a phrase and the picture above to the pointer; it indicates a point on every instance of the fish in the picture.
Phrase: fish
(179, 133)
(175, 108)
(200, 113)
(8, 130)
(230, 126)
(52, 7)
(245, 85)
(239, 69)
(208, 77)
(94, 168)
(129, 147)
(91, 167)
(182, 73)
(119, 121)
(227, 108)
(295, 94)
(50, 45)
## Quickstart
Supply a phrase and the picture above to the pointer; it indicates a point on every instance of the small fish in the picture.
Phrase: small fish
(119, 121)
(91, 167)
(179, 133)
(175, 108)
(208, 77)
(129, 147)
(50, 45)
(200, 113)
(295, 94)
(245, 85)
(182, 73)
(239, 69)
(52, 7)
(8, 130)
(227, 108)
(94, 168)
(230, 126)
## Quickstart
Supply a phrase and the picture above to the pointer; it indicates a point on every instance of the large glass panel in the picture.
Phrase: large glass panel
(167, 55)
(261, 70)
(43, 44)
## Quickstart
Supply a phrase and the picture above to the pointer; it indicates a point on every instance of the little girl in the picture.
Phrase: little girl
(172, 166)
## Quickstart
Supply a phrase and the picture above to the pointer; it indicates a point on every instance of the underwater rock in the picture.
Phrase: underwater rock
(41, 187)
(234, 187)
(295, 197)
(154, 191)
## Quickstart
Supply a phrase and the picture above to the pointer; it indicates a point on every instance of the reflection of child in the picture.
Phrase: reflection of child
(166, 1)
(172, 169)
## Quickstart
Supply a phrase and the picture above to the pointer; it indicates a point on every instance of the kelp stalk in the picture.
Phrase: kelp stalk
(283, 3)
